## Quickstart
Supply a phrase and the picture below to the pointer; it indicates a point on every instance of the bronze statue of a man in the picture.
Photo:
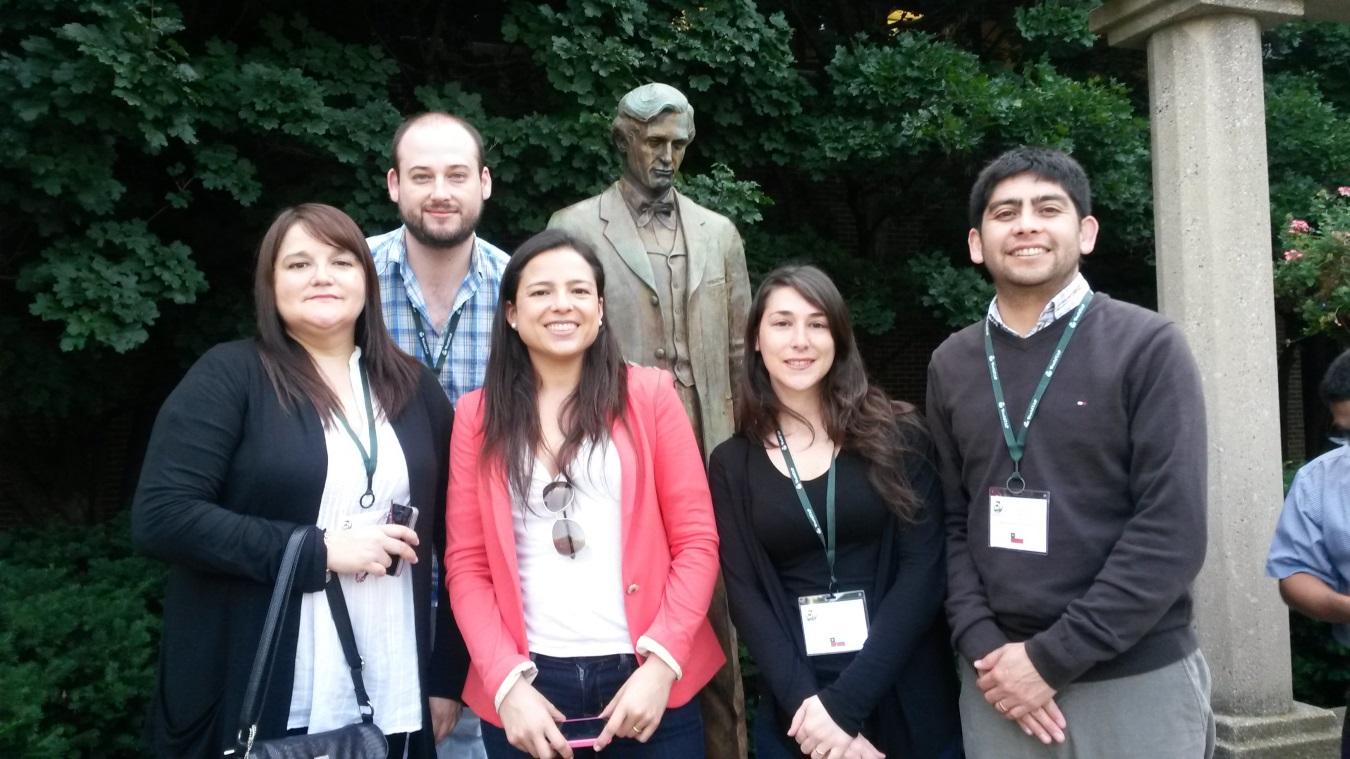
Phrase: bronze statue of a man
(677, 295)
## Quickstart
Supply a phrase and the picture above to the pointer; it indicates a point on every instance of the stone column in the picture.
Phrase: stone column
(1212, 217)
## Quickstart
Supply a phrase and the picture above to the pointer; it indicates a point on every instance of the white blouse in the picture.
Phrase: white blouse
(322, 697)
(574, 606)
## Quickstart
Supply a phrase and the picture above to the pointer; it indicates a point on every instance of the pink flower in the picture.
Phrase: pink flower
(1299, 227)
(1343, 191)
(1293, 254)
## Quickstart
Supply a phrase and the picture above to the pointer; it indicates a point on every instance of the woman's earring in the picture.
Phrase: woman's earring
(513, 325)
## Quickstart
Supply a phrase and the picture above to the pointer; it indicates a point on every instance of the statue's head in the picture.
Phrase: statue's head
(653, 126)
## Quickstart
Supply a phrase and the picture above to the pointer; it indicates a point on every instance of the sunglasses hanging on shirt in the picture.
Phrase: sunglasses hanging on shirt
(568, 537)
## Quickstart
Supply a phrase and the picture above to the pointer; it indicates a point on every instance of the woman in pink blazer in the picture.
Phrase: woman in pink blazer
(582, 548)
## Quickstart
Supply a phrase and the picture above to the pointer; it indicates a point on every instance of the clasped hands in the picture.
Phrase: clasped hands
(821, 738)
(531, 722)
(1012, 685)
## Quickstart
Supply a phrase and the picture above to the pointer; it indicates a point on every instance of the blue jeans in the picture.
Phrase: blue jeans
(582, 686)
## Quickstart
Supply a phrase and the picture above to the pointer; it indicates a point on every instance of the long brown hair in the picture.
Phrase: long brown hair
(857, 415)
(510, 385)
(294, 375)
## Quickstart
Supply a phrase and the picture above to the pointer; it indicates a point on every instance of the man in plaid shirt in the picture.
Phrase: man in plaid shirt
(438, 280)
(438, 285)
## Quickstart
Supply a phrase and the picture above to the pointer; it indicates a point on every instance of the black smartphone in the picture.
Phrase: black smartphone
(582, 732)
(406, 516)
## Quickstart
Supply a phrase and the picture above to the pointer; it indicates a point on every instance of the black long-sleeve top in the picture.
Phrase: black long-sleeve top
(228, 475)
(771, 556)
(1118, 441)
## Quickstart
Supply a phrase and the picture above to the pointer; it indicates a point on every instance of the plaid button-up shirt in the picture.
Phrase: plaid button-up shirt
(400, 293)
(1064, 301)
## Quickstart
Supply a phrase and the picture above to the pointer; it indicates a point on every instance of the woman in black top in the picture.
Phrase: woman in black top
(806, 413)
(318, 421)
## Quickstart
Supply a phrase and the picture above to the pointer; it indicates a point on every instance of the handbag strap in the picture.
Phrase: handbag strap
(256, 691)
(261, 675)
(337, 604)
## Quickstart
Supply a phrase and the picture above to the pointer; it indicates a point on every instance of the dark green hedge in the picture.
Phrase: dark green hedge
(79, 630)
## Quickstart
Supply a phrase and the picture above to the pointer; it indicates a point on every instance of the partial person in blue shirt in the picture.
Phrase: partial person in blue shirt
(438, 286)
(1310, 554)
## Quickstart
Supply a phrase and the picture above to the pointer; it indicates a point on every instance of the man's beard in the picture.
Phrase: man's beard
(447, 238)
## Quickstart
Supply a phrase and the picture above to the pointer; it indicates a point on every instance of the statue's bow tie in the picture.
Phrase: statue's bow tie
(662, 211)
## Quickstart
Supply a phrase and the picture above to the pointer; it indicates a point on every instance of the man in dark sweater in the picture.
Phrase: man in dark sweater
(1071, 436)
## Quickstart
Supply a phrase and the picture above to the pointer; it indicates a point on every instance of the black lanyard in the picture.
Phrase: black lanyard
(827, 543)
(445, 345)
(1017, 444)
(369, 459)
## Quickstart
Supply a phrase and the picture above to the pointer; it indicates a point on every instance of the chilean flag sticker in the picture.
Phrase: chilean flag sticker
(1019, 522)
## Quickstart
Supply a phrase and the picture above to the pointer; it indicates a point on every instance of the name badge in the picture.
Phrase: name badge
(1019, 522)
(833, 623)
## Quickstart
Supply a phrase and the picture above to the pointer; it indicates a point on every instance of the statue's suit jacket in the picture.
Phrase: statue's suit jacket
(718, 295)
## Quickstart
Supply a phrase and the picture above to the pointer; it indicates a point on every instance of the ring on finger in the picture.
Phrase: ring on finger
(637, 729)
(1001, 707)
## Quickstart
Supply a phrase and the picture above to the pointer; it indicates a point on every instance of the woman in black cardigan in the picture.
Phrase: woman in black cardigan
(240, 456)
(829, 513)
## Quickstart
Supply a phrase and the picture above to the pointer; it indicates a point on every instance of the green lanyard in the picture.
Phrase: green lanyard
(828, 545)
(435, 366)
(369, 459)
(1017, 445)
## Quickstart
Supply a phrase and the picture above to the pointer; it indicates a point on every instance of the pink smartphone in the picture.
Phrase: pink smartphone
(582, 732)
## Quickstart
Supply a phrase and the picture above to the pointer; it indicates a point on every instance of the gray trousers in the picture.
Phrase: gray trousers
(1163, 714)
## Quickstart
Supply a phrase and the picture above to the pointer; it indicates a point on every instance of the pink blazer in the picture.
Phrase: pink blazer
(669, 544)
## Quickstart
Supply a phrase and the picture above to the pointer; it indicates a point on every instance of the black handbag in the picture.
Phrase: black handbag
(362, 740)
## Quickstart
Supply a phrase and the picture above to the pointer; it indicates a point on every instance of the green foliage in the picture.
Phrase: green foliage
(1318, 50)
(1321, 666)
(733, 58)
(1312, 275)
(867, 286)
(1287, 472)
(1309, 141)
(105, 285)
(1061, 25)
(958, 297)
(909, 95)
(77, 650)
(563, 159)
(916, 101)
(116, 131)
(737, 199)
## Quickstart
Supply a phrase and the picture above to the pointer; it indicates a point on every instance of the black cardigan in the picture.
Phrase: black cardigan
(904, 675)
(229, 473)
